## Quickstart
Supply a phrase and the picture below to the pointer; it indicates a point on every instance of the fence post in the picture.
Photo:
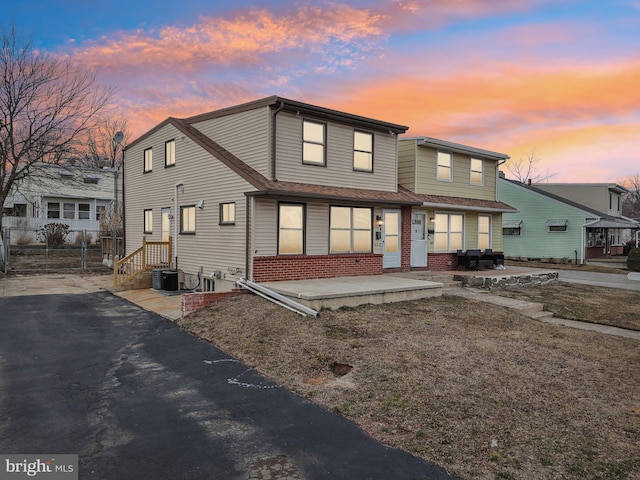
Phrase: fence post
(6, 248)
(144, 252)
(83, 251)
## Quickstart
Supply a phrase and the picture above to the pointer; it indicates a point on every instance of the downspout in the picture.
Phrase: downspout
(273, 141)
(175, 220)
(247, 239)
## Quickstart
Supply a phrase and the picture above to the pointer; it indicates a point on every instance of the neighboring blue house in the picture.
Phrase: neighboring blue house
(551, 226)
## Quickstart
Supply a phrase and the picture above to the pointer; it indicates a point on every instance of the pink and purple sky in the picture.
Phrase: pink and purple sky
(560, 76)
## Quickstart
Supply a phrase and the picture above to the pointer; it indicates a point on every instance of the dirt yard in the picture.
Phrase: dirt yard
(478, 389)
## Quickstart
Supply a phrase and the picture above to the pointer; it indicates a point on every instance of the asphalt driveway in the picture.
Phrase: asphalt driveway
(138, 398)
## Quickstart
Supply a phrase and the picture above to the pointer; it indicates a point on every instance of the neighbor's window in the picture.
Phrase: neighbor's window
(169, 153)
(557, 225)
(227, 213)
(484, 231)
(188, 219)
(350, 230)
(449, 228)
(18, 210)
(84, 211)
(512, 231)
(313, 142)
(91, 180)
(444, 168)
(363, 151)
(148, 159)
(53, 209)
(477, 175)
(69, 211)
(290, 229)
(148, 221)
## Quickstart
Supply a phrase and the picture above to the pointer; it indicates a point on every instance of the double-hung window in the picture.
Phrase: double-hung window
(170, 153)
(188, 219)
(291, 229)
(53, 209)
(484, 231)
(444, 167)
(69, 211)
(227, 213)
(350, 230)
(477, 171)
(84, 211)
(314, 135)
(449, 231)
(148, 221)
(363, 151)
(148, 160)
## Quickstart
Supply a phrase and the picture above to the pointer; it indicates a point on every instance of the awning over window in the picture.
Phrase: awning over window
(557, 222)
(92, 175)
(511, 223)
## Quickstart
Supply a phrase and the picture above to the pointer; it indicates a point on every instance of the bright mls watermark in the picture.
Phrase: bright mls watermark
(49, 467)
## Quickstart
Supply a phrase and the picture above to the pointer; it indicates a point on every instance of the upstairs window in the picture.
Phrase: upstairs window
(170, 153)
(477, 171)
(313, 143)
(444, 167)
(188, 219)
(363, 151)
(148, 159)
(227, 213)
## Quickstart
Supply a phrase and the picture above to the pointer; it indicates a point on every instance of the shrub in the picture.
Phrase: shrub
(633, 260)
(54, 234)
(24, 239)
(88, 238)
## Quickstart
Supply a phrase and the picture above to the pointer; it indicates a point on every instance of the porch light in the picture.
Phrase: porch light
(378, 220)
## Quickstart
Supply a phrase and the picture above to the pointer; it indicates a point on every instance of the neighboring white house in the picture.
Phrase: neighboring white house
(74, 196)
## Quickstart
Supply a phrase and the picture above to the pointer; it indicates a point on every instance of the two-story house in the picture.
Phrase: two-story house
(460, 209)
(564, 221)
(274, 189)
(74, 196)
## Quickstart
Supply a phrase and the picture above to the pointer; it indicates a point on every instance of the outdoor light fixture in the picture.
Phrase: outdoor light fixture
(378, 220)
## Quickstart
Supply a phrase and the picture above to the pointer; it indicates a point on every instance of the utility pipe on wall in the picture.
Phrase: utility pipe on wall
(175, 219)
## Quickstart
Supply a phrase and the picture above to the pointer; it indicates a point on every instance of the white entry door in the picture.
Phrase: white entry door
(418, 239)
(391, 241)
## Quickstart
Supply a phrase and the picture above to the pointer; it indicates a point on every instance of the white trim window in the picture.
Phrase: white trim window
(84, 211)
(362, 151)
(291, 229)
(314, 137)
(170, 153)
(484, 231)
(512, 228)
(477, 171)
(449, 232)
(53, 209)
(444, 168)
(69, 211)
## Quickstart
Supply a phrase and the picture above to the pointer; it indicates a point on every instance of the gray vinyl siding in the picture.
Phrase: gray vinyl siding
(213, 247)
(245, 134)
(339, 157)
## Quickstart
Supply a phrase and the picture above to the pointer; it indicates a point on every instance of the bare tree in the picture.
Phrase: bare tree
(631, 200)
(525, 170)
(47, 107)
(101, 150)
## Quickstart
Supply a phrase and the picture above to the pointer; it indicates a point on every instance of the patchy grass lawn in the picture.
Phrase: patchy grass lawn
(478, 389)
(611, 306)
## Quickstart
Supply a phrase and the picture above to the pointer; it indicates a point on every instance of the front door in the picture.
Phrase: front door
(391, 240)
(418, 240)
(165, 228)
